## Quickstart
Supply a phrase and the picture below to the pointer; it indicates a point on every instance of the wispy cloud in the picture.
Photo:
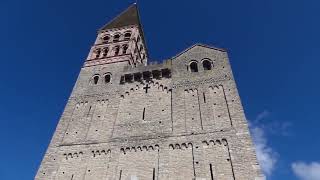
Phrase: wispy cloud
(267, 157)
(306, 171)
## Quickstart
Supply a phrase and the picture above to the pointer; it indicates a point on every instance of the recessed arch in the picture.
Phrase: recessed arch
(116, 50)
(95, 79)
(116, 37)
(106, 38)
(207, 64)
(107, 78)
(125, 48)
(127, 35)
(193, 66)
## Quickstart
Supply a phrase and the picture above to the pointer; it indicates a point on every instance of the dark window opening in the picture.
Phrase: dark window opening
(143, 113)
(137, 76)
(206, 65)
(105, 52)
(117, 50)
(98, 52)
(204, 97)
(194, 67)
(138, 39)
(107, 78)
(156, 74)
(128, 78)
(122, 80)
(106, 38)
(127, 36)
(95, 79)
(141, 47)
(211, 172)
(120, 174)
(124, 49)
(146, 75)
(154, 174)
(116, 38)
(166, 73)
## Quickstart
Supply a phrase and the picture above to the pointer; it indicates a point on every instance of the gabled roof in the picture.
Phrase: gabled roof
(198, 44)
(128, 17)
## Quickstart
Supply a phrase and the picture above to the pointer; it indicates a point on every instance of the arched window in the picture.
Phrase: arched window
(194, 66)
(97, 53)
(116, 38)
(124, 49)
(116, 50)
(105, 52)
(106, 38)
(107, 78)
(207, 65)
(127, 36)
(95, 79)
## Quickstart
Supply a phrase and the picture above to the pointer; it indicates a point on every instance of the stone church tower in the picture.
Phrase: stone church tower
(130, 120)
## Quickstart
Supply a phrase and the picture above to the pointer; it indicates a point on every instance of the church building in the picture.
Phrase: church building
(180, 119)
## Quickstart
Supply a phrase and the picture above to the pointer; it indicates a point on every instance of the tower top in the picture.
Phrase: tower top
(128, 17)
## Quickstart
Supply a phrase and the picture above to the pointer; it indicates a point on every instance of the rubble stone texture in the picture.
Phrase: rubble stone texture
(130, 120)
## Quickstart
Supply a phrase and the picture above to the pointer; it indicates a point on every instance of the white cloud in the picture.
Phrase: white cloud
(306, 171)
(266, 156)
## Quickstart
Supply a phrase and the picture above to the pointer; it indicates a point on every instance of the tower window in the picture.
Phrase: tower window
(207, 65)
(141, 47)
(116, 50)
(116, 38)
(193, 66)
(95, 79)
(106, 38)
(97, 53)
(124, 49)
(127, 36)
(107, 78)
(138, 39)
(105, 52)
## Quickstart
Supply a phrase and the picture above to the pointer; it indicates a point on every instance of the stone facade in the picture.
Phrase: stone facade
(181, 119)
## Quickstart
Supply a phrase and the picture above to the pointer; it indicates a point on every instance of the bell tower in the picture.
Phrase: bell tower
(120, 40)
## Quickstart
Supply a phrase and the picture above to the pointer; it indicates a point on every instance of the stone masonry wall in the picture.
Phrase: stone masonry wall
(174, 125)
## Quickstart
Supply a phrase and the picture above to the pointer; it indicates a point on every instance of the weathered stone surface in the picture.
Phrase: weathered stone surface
(158, 121)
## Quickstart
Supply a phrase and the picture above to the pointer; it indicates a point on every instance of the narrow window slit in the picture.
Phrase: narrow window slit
(89, 111)
(144, 110)
(204, 97)
(154, 174)
(120, 174)
(211, 172)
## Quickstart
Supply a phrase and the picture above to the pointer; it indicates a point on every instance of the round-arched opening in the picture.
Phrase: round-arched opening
(107, 78)
(127, 35)
(97, 53)
(116, 50)
(106, 38)
(124, 49)
(105, 52)
(116, 38)
(95, 79)
(207, 65)
(194, 66)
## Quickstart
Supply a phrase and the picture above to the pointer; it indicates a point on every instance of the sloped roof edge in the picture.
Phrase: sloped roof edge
(198, 44)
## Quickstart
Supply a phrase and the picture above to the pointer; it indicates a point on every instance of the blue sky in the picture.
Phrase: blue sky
(273, 48)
